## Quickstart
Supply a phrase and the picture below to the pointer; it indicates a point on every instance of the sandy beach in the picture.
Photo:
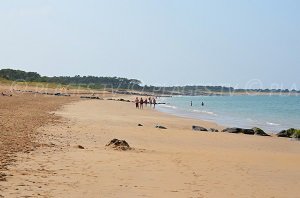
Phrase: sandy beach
(172, 162)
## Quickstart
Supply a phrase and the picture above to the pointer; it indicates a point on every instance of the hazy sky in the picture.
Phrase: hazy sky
(161, 42)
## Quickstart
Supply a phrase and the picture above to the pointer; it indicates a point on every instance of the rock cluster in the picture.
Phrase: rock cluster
(290, 133)
(253, 131)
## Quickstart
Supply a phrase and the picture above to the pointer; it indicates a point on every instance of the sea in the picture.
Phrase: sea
(271, 113)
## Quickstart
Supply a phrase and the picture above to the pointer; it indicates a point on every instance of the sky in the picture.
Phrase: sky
(238, 43)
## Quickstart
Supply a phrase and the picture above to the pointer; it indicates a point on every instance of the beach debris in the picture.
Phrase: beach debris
(119, 145)
(140, 125)
(80, 147)
(198, 128)
(290, 133)
(258, 131)
(213, 130)
(160, 127)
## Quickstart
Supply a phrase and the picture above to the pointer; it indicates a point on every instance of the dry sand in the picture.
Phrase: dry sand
(176, 162)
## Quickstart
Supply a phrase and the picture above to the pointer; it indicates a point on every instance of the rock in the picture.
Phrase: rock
(239, 130)
(296, 134)
(198, 128)
(258, 131)
(290, 133)
(160, 127)
(140, 125)
(80, 147)
(213, 130)
(92, 97)
(286, 133)
(119, 145)
(248, 131)
(232, 130)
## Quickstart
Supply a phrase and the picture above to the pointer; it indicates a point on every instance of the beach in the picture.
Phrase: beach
(172, 162)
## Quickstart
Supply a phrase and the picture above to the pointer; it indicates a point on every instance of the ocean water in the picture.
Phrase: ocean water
(271, 113)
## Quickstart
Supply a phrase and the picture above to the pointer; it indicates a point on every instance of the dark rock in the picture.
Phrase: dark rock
(119, 145)
(80, 147)
(296, 134)
(239, 130)
(92, 97)
(140, 125)
(248, 131)
(160, 127)
(286, 133)
(290, 133)
(61, 94)
(258, 131)
(232, 130)
(213, 130)
(198, 128)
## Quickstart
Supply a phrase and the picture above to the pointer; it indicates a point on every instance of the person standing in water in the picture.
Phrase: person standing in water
(137, 103)
(150, 101)
(154, 103)
(202, 103)
(191, 103)
(141, 103)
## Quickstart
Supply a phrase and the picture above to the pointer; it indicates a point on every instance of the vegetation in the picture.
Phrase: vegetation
(296, 133)
(94, 82)
(82, 81)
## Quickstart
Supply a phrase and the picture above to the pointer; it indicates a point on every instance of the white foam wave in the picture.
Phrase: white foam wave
(273, 124)
(206, 112)
(170, 106)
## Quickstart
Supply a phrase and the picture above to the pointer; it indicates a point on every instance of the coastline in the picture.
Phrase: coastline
(175, 162)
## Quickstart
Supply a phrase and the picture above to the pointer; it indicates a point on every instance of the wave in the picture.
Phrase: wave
(272, 124)
(170, 106)
(206, 112)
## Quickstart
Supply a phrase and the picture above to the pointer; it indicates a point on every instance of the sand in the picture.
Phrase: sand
(175, 162)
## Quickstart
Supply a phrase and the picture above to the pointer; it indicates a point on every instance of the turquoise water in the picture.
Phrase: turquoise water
(271, 113)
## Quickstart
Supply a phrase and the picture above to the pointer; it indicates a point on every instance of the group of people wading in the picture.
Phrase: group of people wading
(139, 103)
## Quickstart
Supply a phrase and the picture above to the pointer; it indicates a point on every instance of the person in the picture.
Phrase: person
(150, 101)
(202, 103)
(137, 103)
(154, 103)
(146, 102)
(191, 103)
(141, 103)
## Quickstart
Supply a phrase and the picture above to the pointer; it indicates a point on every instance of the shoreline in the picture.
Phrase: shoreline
(221, 112)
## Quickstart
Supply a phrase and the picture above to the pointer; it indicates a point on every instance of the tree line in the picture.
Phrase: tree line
(118, 83)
